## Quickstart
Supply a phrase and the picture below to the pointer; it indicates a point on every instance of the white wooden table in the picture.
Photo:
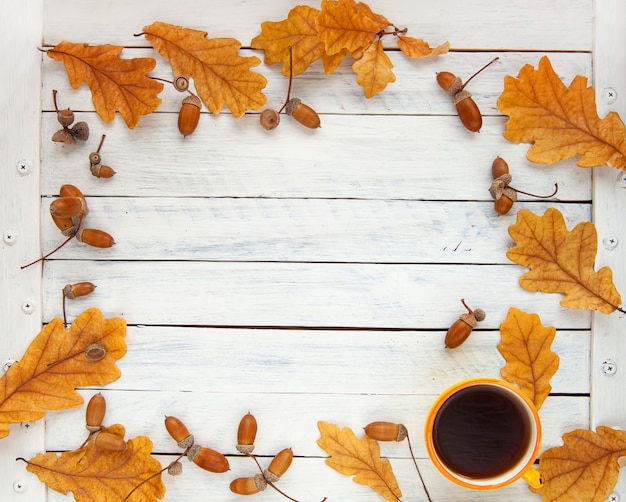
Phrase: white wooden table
(302, 275)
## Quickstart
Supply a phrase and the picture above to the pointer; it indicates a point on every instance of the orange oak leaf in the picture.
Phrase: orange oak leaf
(298, 32)
(374, 70)
(359, 458)
(586, 467)
(346, 24)
(418, 48)
(91, 473)
(115, 83)
(525, 347)
(56, 362)
(561, 121)
(222, 77)
(561, 261)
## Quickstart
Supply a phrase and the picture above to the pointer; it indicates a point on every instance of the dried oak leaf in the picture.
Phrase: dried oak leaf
(96, 474)
(298, 32)
(222, 77)
(374, 70)
(56, 362)
(360, 459)
(525, 347)
(115, 83)
(586, 467)
(561, 121)
(561, 261)
(418, 48)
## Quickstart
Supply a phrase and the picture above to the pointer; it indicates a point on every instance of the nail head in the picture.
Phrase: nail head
(609, 368)
(19, 486)
(610, 242)
(23, 167)
(28, 307)
(610, 95)
(9, 237)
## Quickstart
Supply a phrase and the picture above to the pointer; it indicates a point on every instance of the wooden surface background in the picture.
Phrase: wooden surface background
(302, 275)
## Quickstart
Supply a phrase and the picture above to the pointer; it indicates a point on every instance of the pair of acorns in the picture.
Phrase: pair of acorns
(96, 409)
(67, 212)
(68, 135)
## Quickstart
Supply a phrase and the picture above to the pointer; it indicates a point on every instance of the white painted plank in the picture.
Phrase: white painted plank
(229, 157)
(311, 230)
(608, 401)
(316, 360)
(301, 294)
(20, 291)
(415, 91)
(213, 416)
(562, 25)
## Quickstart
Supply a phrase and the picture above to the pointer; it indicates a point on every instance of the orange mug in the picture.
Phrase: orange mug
(483, 433)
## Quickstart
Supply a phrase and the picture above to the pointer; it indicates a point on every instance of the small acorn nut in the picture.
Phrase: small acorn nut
(80, 130)
(450, 82)
(303, 113)
(179, 432)
(175, 469)
(504, 204)
(208, 459)
(269, 119)
(65, 117)
(107, 441)
(386, 431)
(248, 486)
(499, 167)
(189, 115)
(69, 207)
(100, 171)
(76, 290)
(246, 434)
(278, 466)
(94, 237)
(63, 136)
(96, 408)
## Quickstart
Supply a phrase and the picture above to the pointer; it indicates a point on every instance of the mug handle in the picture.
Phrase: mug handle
(533, 477)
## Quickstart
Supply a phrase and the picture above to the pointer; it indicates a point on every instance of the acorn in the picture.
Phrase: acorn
(80, 130)
(73, 291)
(107, 441)
(189, 115)
(278, 466)
(386, 431)
(96, 408)
(179, 432)
(463, 326)
(95, 238)
(175, 469)
(269, 119)
(248, 486)
(63, 136)
(303, 113)
(68, 190)
(246, 434)
(65, 117)
(100, 171)
(65, 224)
(208, 459)
(69, 207)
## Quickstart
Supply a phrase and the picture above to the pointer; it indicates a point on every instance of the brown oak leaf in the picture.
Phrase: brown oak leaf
(115, 83)
(586, 467)
(298, 32)
(561, 261)
(374, 70)
(222, 77)
(91, 473)
(561, 121)
(56, 362)
(525, 346)
(359, 458)
(418, 48)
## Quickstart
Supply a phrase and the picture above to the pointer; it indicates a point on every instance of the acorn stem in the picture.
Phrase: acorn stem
(54, 98)
(556, 189)
(408, 439)
(57, 248)
(290, 80)
(154, 476)
(64, 316)
(101, 141)
(489, 63)
(269, 482)
(469, 310)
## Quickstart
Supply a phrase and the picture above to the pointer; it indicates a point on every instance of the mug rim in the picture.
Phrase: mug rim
(468, 482)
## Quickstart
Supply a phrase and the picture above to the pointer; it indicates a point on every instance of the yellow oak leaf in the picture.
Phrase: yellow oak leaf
(346, 25)
(418, 48)
(358, 458)
(92, 473)
(561, 121)
(115, 83)
(586, 467)
(331, 63)
(222, 77)
(525, 347)
(374, 70)
(561, 261)
(56, 362)
(298, 32)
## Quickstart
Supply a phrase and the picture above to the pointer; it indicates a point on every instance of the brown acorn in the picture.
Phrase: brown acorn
(179, 432)
(386, 431)
(69, 207)
(68, 190)
(96, 408)
(246, 434)
(95, 238)
(100, 171)
(73, 291)
(80, 130)
(303, 113)
(248, 486)
(269, 119)
(208, 459)
(65, 117)
(65, 224)
(107, 441)
(278, 466)
(463, 326)
(499, 167)
(189, 115)
(63, 136)
(175, 469)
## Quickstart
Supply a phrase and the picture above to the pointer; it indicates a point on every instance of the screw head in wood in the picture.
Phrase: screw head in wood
(609, 368)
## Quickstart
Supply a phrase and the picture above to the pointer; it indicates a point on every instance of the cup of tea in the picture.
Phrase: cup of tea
(483, 433)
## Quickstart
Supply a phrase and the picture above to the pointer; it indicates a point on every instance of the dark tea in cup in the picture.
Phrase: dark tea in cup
(483, 433)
